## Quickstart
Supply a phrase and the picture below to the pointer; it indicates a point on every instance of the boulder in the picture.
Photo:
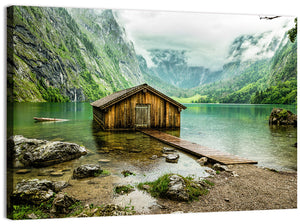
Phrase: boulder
(219, 167)
(167, 150)
(172, 158)
(177, 189)
(36, 191)
(202, 161)
(154, 157)
(62, 203)
(39, 153)
(282, 117)
(87, 170)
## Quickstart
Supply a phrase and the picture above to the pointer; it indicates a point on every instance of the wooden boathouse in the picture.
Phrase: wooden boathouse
(141, 106)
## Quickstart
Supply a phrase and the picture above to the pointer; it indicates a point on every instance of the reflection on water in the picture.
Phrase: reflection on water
(239, 129)
(119, 151)
(242, 130)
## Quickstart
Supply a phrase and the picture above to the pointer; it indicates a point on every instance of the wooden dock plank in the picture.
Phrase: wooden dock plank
(196, 149)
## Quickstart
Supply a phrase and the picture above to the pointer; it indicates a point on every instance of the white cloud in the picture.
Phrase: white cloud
(206, 37)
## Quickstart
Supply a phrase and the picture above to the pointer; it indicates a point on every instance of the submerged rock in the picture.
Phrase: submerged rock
(36, 191)
(38, 153)
(154, 157)
(167, 150)
(103, 160)
(135, 150)
(172, 158)
(282, 117)
(87, 170)
(23, 171)
(57, 174)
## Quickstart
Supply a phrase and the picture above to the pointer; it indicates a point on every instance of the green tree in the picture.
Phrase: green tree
(293, 32)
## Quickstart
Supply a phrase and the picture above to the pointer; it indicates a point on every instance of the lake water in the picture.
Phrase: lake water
(242, 130)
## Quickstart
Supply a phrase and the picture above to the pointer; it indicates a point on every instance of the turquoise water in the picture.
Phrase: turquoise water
(238, 129)
(242, 130)
(125, 150)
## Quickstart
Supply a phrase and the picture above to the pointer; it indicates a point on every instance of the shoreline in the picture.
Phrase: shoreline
(242, 187)
(251, 188)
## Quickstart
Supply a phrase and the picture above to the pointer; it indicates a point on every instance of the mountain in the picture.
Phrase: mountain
(171, 67)
(162, 85)
(260, 68)
(68, 54)
(58, 54)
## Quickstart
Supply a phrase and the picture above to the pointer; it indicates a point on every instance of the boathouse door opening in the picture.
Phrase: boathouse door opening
(142, 116)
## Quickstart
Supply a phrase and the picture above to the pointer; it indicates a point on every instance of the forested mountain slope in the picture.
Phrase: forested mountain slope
(268, 80)
(58, 54)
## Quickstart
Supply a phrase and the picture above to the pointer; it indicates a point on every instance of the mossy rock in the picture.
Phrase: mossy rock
(281, 116)
(176, 187)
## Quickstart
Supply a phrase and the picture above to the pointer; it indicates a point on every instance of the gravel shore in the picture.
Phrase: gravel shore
(250, 188)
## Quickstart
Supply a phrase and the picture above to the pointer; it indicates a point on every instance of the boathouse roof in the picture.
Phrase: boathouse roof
(116, 97)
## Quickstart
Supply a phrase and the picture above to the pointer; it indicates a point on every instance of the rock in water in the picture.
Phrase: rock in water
(177, 189)
(35, 191)
(282, 117)
(23, 171)
(172, 158)
(103, 160)
(167, 150)
(38, 153)
(202, 161)
(57, 174)
(87, 170)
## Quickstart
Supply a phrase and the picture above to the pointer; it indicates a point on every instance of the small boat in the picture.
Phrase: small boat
(48, 119)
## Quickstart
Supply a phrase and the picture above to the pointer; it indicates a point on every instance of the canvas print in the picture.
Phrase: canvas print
(136, 112)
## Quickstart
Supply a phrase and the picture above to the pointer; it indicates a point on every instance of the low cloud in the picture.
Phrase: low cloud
(205, 37)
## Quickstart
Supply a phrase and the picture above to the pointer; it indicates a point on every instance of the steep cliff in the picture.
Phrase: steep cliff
(58, 54)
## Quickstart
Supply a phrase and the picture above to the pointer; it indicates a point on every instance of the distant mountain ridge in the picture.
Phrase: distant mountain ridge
(255, 63)
(171, 65)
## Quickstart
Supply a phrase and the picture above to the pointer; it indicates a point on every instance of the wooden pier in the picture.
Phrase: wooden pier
(196, 149)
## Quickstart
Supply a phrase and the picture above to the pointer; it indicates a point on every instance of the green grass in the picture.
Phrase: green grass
(188, 99)
(123, 189)
(23, 211)
(159, 187)
(127, 173)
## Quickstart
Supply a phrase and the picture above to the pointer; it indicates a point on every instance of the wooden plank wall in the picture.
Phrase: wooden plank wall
(98, 116)
(122, 114)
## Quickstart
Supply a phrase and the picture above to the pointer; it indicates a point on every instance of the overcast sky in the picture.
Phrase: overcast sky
(206, 37)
